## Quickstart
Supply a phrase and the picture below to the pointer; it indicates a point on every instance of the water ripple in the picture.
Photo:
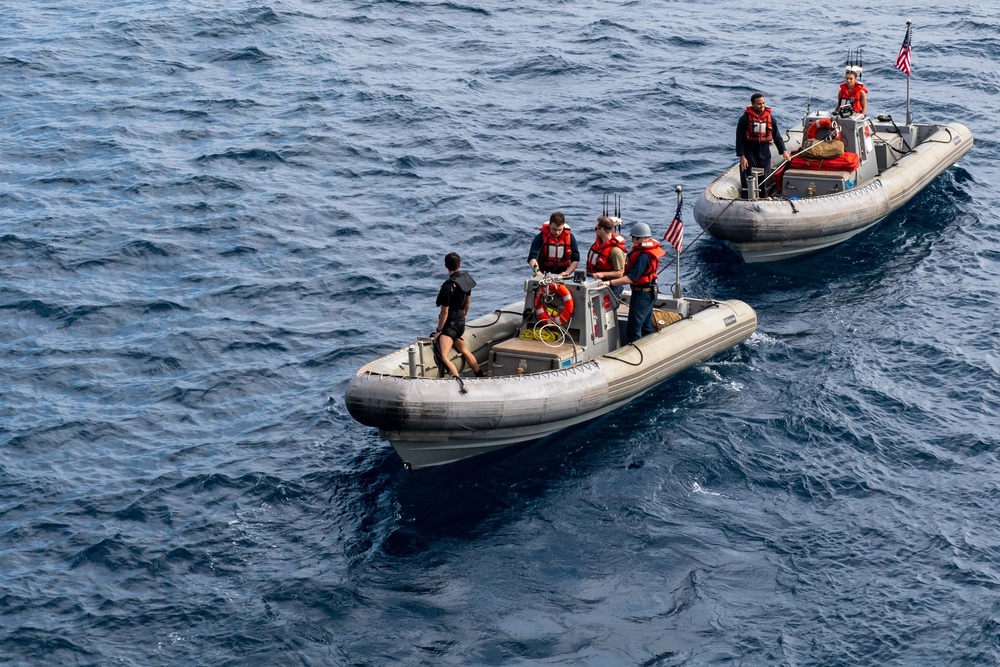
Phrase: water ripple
(214, 215)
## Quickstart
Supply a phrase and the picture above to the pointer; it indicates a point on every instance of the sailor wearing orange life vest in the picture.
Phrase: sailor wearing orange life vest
(641, 269)
(554, 248)
(853, 93)
(755, 131)
(606, 259)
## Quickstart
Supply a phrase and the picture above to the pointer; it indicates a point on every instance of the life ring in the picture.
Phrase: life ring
(566, 314)
(825, 124)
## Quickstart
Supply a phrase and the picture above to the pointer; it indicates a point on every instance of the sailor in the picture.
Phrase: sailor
(554, 249)
(454, 298)
(641, 268)
(755, 131)
(853, 93)
(606, 259)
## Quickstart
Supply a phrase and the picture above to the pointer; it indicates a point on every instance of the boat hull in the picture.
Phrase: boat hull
(431, 421)
(766, 230)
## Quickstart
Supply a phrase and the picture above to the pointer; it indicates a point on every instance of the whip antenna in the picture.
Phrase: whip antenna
(809, 100)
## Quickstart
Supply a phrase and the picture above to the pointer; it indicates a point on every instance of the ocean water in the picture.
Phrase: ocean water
(214, 213)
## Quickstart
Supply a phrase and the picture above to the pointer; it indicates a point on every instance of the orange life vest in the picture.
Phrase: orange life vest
(760, 128)
(600, 253)
(655, 252)
(556, 253)
(852, 97)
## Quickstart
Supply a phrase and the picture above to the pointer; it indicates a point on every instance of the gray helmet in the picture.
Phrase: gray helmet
(640, 230)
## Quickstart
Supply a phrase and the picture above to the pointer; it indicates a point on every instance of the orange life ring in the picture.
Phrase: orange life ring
(826, 124)
(566, 314)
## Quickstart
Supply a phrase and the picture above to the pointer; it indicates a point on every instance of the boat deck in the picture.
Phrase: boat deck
(534, 348)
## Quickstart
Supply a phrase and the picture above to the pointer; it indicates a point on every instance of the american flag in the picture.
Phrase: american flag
(903, 59)
(675, 232)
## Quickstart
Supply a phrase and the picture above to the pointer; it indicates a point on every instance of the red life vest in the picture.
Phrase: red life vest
(600, 253)
(760, 128)
(556, 253)
(655, 252)
(852, 97)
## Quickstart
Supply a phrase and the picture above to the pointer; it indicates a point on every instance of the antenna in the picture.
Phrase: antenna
(809, 99)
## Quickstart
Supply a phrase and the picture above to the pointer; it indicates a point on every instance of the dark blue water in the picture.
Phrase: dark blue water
(214, 213)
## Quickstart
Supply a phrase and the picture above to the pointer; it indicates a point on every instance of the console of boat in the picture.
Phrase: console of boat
(555, 359)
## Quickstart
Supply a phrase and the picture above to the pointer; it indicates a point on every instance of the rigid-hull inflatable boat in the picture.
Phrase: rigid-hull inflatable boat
(818, 202)
(543, 377)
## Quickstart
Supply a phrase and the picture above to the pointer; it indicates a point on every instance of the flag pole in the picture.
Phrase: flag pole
(909, 38)
(909, 116)
(677, 284)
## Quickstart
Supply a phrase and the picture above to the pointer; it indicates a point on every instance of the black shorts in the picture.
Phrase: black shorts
(454, 329)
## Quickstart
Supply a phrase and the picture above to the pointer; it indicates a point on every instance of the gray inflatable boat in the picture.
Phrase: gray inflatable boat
(543, 377)
(817, 202)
